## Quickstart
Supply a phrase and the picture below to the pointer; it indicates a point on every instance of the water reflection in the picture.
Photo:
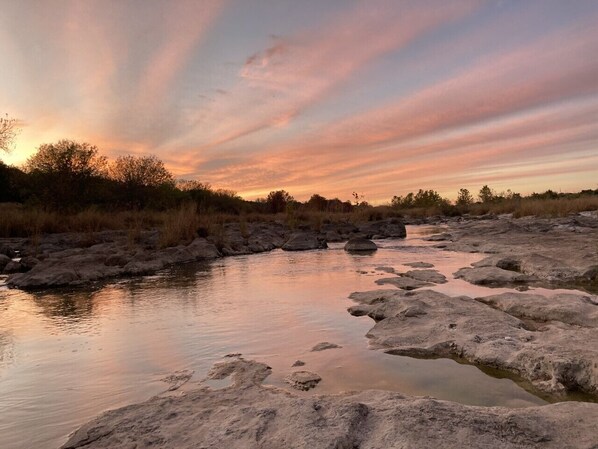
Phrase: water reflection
(77, 353)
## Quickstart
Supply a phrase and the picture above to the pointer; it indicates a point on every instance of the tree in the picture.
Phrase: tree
(8, 132)
(317, 202)
(66, 172)
(67, 158)
(486, 194)
(146, 171)
(277, 201)
(464, 198)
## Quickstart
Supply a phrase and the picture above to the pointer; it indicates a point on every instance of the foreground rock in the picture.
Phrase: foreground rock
(555, 357)
(360, 244)
(303, 380)
(248, 415)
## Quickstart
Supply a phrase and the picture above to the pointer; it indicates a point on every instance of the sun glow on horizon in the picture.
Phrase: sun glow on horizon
(379, 97)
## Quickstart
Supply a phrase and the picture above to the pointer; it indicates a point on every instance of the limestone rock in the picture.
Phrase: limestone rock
(303, 241)
(303, 380)
(427, 276)
(359, 244)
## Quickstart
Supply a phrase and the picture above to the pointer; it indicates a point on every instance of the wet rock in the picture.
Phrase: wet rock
(249, 415)
(438, 237)
(298, 363)
(177, 379)
(303, 241)
(491, 276)
(360, 244)
(430, 324)
(419, 265)
(404, 283)
(324, 345)
(432, 276)
(303, 380)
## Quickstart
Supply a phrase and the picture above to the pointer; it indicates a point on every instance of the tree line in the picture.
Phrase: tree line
(71, 176)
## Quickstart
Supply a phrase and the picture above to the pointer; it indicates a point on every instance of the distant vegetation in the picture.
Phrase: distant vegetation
(70, 186)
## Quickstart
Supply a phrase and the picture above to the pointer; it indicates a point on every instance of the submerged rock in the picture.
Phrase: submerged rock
(324, 345)
(419, 265)
(303, 380)
(359, 244)
(404, 283)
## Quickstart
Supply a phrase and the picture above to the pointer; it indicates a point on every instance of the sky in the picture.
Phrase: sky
(377, 97)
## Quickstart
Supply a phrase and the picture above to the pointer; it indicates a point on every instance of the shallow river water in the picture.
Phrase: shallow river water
(67, 356)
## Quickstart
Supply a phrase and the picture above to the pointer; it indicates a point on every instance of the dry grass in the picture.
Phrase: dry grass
(183, 224)
(180, 226)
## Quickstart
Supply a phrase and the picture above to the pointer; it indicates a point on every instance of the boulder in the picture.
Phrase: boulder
(28, 262)
(8, 251)
(13, 267)
(4, 260)
(360, 244)
(303, 241)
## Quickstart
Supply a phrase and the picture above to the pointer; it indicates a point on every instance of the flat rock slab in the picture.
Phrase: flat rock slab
(360, 244)
(419, 264)
(492, 276)
(555, 357)
(426, 276)
(404, 283)
(389, 270)
(575, 309)
(324, 345)
(250, 416)
(303, 380)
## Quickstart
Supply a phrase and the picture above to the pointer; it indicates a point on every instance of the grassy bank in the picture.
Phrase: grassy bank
(183, 223)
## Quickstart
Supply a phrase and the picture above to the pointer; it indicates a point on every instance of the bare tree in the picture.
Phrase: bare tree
(8, 132)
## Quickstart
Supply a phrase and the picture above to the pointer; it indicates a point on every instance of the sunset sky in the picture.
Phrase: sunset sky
(329, 97)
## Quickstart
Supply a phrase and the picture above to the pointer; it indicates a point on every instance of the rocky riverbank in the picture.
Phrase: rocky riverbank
(59, 260)
(249, 415)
